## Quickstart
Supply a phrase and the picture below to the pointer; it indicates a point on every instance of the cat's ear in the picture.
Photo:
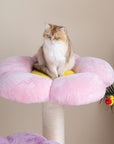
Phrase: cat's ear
(63, 30)
(47, 26)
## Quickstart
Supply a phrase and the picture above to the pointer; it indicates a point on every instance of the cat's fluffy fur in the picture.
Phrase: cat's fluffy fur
(56, 55)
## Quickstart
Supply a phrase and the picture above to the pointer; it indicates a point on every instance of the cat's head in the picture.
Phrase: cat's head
(55, 33)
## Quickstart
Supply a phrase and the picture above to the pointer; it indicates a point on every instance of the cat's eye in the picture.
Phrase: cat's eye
(48, 36)
(56, 37)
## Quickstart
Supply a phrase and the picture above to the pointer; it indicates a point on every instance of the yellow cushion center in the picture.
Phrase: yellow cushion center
(44, 75)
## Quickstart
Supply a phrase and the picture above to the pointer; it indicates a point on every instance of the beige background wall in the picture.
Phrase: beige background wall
(91, 29)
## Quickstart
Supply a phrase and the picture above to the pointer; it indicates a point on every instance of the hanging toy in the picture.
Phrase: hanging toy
(109, 96)
(110, 100)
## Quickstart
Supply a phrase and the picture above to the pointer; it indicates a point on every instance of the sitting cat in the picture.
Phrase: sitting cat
(56, 55)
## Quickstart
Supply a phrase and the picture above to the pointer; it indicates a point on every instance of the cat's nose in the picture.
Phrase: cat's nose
(52, 42)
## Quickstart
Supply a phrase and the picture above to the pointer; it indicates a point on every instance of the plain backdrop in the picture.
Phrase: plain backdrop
(90, 25)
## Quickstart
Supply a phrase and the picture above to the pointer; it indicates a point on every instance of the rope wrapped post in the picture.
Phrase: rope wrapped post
(53, 122)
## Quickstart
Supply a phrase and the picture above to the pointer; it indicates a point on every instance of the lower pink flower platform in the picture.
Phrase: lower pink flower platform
(25, 138)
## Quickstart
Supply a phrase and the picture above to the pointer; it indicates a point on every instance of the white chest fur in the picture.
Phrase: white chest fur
(55, 51)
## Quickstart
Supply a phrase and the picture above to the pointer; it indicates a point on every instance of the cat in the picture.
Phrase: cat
(56, 55)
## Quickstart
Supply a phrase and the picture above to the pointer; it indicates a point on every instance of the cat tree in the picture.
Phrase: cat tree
(87, 85)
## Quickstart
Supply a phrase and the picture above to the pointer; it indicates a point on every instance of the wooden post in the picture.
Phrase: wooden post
(53, 122)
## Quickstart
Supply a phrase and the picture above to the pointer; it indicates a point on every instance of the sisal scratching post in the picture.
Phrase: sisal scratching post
(53, 122)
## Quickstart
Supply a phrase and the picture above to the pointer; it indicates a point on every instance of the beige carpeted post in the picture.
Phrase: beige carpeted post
(53, 122)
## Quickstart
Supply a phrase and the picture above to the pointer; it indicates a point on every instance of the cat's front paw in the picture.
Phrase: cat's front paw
(61, 71)
(54, 77)
(61, 74)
